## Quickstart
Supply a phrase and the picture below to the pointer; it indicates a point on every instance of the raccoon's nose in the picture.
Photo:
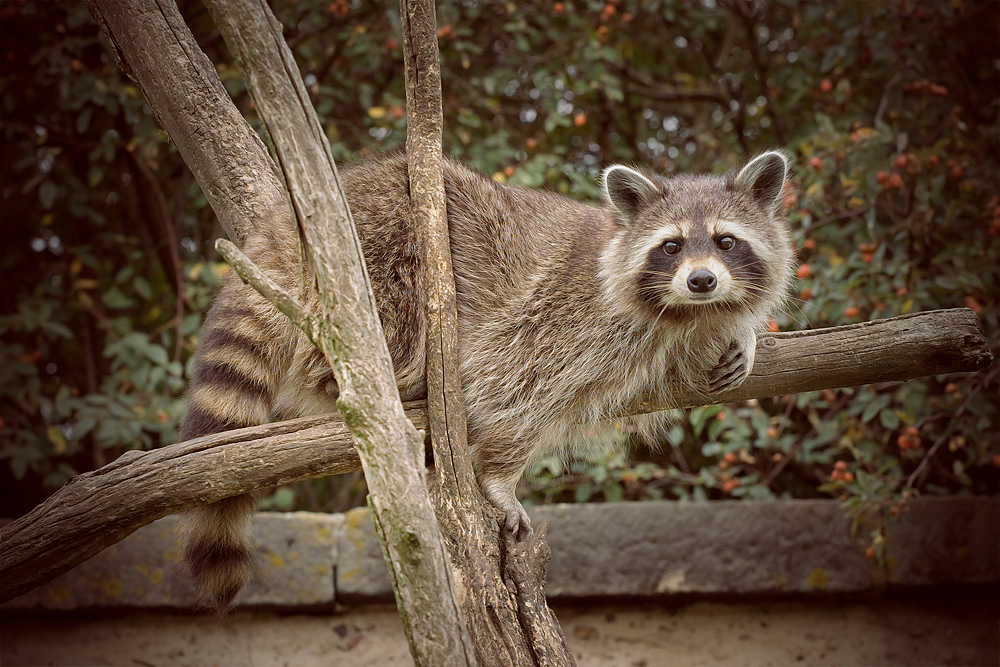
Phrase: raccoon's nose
(701, 281)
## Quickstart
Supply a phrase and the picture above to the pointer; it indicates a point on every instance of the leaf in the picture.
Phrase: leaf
(57, 439)
(47, 193)
(142, 288)
(84, 426)
(612, 491)
(115, 298)
(874, 407)
(83, 120)
(889, 419)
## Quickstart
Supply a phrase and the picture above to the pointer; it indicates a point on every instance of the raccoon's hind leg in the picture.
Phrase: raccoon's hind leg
(735, 364)
(499, 464)
(500, 493)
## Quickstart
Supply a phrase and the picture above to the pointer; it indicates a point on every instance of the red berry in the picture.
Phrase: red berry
(804, 271)
(972, 303)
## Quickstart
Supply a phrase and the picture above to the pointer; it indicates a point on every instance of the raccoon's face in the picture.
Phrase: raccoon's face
(699, 244)
(700, 261)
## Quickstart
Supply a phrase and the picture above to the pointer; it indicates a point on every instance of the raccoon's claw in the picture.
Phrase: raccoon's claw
(515, 519)
(518, 524)
(734, 366)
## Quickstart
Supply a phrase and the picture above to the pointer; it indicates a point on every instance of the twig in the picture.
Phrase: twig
(837, 216)
(776, 470)
(271, 290)
(168, 225)
(885, 99)
(940, 441)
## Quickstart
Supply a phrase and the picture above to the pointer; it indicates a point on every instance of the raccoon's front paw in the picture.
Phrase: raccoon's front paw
(516, 520)
(734, 365)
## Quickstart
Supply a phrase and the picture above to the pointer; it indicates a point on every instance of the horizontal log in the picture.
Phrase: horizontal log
(97, 509)
(896, 349)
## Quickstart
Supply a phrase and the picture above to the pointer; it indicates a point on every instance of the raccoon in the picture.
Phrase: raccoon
(569, 314)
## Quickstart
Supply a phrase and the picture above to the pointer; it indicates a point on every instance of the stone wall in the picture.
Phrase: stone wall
(650, 551)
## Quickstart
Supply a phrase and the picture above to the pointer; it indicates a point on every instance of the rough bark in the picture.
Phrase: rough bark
(891, 350)
(97, 509)
(351, 338)
(499, 585)
(156, 49)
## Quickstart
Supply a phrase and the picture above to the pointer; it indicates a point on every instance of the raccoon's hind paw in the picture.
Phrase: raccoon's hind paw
(515, 519)
(734, 366)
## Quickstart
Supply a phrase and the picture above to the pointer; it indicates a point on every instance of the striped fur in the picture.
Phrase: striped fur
(568, 315)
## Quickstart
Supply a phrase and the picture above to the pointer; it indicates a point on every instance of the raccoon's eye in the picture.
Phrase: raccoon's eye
(671, 247)
(726, 243)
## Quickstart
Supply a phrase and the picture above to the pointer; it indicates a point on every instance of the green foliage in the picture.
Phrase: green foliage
(890, 110)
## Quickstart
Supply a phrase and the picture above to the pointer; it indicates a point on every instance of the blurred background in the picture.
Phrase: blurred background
(891, 111)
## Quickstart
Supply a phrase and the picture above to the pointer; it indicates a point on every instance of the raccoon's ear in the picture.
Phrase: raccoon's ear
(628, 190)
(764, 177)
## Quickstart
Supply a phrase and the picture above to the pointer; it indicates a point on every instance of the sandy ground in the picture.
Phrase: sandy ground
(941, 632)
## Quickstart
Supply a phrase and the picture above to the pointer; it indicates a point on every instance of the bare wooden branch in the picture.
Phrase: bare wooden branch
(351, 337)
(97, 509)
(156, 49)
(891, 350)
(425, 165)
(458, 505)
(271, 290)
(503, 604)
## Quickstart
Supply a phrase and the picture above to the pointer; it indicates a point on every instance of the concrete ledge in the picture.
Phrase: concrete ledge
(296, 559)
(654, 550)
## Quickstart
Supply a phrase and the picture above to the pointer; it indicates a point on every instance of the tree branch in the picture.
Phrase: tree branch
(97, 509)
(507, 619)
(156, 49)
(269, 289)
(350, 336)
